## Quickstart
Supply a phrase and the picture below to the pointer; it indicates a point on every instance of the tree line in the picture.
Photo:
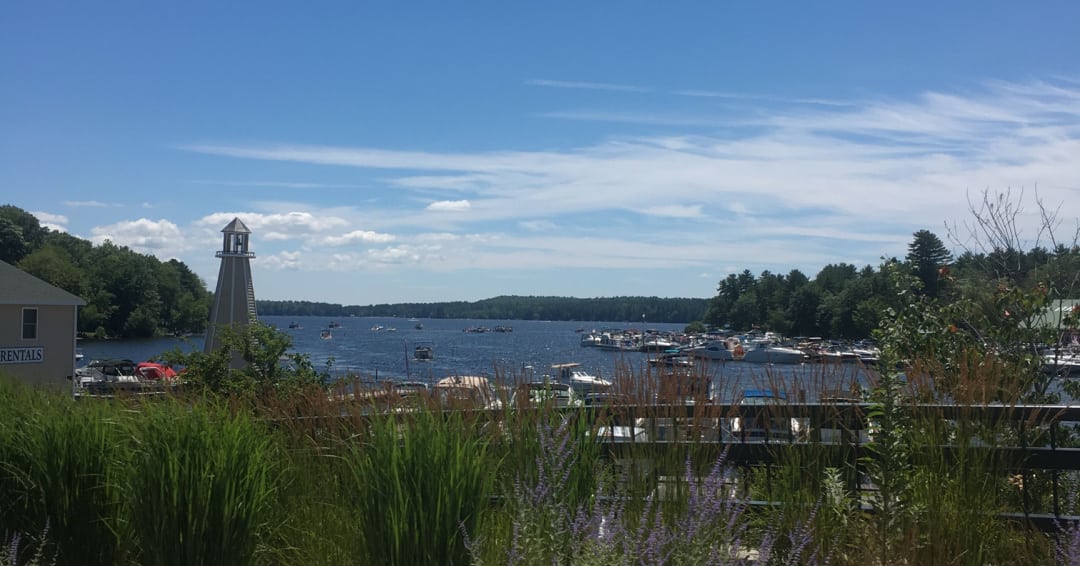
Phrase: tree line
(127, 294)
(844, 301)
(511, 307)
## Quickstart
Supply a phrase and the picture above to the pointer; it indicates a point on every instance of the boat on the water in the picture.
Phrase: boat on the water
(576, 377)
(424, 352)
(326, 334)
(774, 354)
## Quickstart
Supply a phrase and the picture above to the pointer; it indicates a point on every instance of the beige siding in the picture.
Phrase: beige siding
(55, 336)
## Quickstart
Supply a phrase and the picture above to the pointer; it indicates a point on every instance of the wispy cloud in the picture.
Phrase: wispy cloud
(764, 98)
(791, 183)
(358, 236)
(275, 184)
(86, 203)
(586, 85)
(450, 206)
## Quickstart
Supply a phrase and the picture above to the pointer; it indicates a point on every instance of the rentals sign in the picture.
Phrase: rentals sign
(22, 355)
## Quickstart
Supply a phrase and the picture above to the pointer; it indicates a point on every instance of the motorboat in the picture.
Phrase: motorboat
(657, 343)
(576, 377)
(547, 393)
(424, 351)
(1061, 363)
(326, 334)
(155, 371)
(590, 339)
(716, 350)
(466, 392)
(774, 354)
(764, 418)
(107, 371)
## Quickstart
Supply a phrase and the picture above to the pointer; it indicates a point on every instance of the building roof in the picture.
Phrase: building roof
(18, 287)
(1055, 312)
(236, 227)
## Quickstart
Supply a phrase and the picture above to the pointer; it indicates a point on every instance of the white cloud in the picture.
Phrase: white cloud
(674, 211)
(282, 260)
(795, 181)
(159, 237)
(358, 237)
(586, 85)
(281, 225)
(57, 222)
(85, 203)
(538, 225)
(449, 206)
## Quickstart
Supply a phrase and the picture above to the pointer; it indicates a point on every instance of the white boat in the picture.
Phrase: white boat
(326, 334)
(466, 391)
(582, 381)
(656, 343)
(774, 354)
(590, 339)
(716, 350)
(1064, 364)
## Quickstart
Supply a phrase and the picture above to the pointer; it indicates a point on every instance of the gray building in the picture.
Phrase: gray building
(38, 323)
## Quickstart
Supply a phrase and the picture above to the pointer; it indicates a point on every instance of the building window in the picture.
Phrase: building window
(29, 323)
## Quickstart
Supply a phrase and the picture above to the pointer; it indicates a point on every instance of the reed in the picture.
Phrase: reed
(200, 485)
(60, 475)
(416, 482)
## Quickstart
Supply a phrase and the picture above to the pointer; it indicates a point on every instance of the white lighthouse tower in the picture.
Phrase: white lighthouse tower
(234, 300)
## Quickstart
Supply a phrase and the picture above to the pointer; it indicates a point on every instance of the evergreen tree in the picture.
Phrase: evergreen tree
(926, 256)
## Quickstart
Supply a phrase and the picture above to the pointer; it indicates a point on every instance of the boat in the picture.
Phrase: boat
(326, 334)
(335, 324)
(107, 371)
(657, 343)
(547, 392)
(716, 350)
(1061, 363)
(419, 326)
(155, 371)
(590, 339)
(765, 419)
(774, 354)
(504, 329)
(576, 377)
(295, 325)
(424, 352)
(466, 391)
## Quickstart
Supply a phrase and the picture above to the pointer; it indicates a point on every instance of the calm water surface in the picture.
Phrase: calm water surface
(530, 349)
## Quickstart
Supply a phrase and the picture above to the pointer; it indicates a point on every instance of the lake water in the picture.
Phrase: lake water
(529, 350)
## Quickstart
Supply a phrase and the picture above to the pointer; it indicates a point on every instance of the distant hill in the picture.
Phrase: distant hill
(512, 307)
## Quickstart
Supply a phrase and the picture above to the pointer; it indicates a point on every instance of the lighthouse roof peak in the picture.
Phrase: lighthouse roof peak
(236, 227)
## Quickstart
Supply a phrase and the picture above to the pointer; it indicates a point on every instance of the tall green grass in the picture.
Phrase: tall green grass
(417, 483)
(60, 472)
(200, 486)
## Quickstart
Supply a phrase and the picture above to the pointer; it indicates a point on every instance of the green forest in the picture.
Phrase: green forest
(127, 294)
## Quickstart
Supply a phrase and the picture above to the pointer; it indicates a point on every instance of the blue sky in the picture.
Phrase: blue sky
(401, 152)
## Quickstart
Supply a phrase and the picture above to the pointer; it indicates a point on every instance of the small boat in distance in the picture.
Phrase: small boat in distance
(424, 351)
(295, 325)
(326, 334)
